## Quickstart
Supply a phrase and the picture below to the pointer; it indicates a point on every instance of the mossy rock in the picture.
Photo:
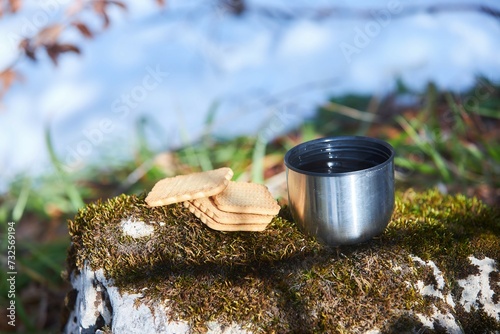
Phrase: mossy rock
(412, 278)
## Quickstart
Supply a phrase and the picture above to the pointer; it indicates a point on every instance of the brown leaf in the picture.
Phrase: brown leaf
(7, 77)
(53, 53)
(83, 28)
(100, 9)
(55, 50)
(14, 5)
(49, 35)
(24, 43)
(69, 48)
(106, 20)
(27, 47)
(75, 7)
(161, 3)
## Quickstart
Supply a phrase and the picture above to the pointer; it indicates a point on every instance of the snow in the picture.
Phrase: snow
(136, 229)
(253, 66)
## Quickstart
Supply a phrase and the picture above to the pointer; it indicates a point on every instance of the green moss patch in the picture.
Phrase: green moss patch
(280, 280)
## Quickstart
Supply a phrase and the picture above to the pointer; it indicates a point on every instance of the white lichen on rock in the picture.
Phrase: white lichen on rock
(444, 319)
(477, 292)
(99, 303)
(433, 290)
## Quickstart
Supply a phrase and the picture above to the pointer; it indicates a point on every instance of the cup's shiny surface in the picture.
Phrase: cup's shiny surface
(341, 189)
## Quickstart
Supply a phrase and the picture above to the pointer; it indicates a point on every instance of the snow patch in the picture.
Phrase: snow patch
(136, 228)
(373, 331)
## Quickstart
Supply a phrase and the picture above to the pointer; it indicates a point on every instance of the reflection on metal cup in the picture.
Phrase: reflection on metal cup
(341, 189)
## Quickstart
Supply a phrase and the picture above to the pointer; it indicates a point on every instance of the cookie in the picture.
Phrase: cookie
(210, 222)
(188, 187)
(244, 197)
(208, 206)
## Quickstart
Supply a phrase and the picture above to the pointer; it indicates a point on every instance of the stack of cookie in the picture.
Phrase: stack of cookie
(220, 203)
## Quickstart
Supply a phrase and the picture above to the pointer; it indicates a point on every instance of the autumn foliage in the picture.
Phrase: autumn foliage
(48, 38)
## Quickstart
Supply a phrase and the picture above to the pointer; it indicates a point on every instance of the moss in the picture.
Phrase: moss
(280, 280)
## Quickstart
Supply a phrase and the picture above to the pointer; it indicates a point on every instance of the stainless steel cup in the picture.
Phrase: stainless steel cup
(341, 189)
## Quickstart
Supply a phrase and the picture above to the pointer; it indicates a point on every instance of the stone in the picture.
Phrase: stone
(136, 269)
(99, 304)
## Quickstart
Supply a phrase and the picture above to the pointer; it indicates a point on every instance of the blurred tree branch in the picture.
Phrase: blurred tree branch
(342, 12)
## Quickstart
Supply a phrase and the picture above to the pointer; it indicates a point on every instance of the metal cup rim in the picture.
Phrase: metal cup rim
(383, 143)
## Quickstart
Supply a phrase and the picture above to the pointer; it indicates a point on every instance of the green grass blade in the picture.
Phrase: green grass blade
(46, 254)
(420, 167)
(488, 112)
(426, 148)
(210, 119)
(26, 319)
(259, 152)
(142, 141)
(22, 200)
(196, 157)
(308, 132)
(71, 191)
(493, 150)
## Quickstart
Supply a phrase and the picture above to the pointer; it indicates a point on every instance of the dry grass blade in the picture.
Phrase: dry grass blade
(350, 112)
